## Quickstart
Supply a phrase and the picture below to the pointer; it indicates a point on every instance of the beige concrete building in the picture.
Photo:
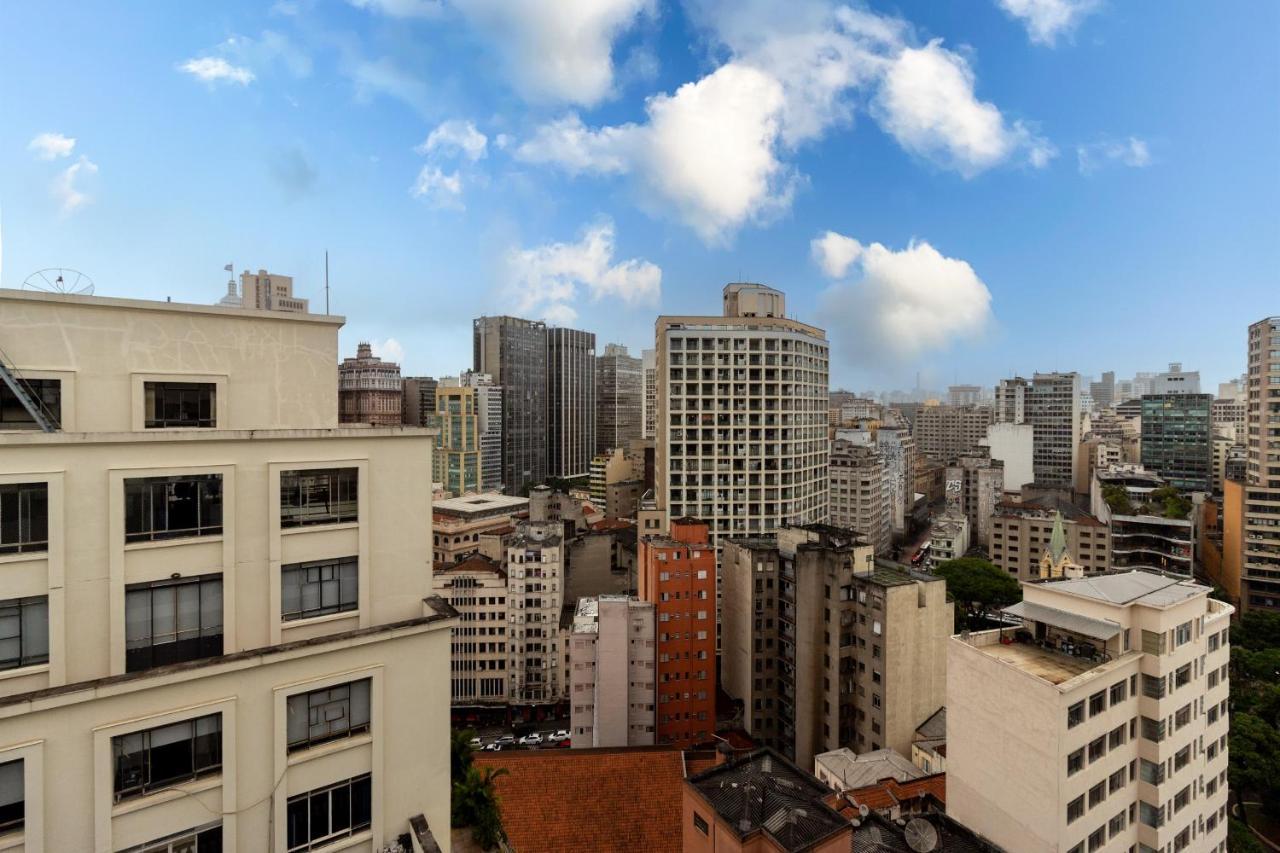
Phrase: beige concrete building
(462, 523)
(220, 610)
(1118, 686)
(1020, 533)
(457, 460)
(263, 292)
(827, 647)
(476, 587)
(535, 572)
(974, 486)
(860, 493)
(1261, 562)
(943, 432)
(612, 673)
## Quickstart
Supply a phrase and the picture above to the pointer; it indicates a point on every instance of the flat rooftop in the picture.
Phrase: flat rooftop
(1145, 588)
(1052, 667)
(114, 302)
(487, 502)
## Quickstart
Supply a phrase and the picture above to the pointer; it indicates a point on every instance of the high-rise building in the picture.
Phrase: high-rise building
(611, 672)
(1104, 392)
(1146, 533)
(825, 646)
(619, 398)
(677, 573)
(458, 444)
(1122, 678)
(1011, 400)
(264, 291)
(964, 395)
(1014, 445)
(535, 592)
(1050, 402)
(369, 389)
(649, 366)
(742, 416)
(975, 486)
(418, 400)
(571, 402)
(944, 432)
(489, 411)
(861, 493)
(1261, 565)
(476, 587)
(1228, 418)
(217, 600)
(513, 352)
(1175, 381)
(1177, 439)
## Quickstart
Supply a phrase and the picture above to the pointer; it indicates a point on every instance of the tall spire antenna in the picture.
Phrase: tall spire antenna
(326, 281)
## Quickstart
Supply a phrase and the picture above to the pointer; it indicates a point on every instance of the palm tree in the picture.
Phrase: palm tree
(475, 804)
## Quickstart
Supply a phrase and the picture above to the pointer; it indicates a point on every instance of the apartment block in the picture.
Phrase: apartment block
(1119, 684)
(944, 432)
(975, 484)
(1177, 439)
(677, 573)
(619, 398)
(1143, 533)
(489, 413)
(649, 414)
(1021, 532)
(612, 670)
(220, 609)
(513, 353)
(1228, 417)
(535, 593)
(825, 646)
(476, 587)
(264, 291)
(1050, 402)
(742, 416)
(860, 493)
(1261, 565)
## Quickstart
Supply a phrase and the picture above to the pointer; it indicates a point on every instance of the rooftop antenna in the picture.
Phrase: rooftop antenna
(326, 281)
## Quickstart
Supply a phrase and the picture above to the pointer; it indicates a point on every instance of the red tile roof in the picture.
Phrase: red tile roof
(611, 524)
(890, 792)
(570, 800)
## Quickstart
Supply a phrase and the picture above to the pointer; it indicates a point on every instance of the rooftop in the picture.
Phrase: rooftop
(934, 727)
(109, 302)
(36, 437)
(1145, 588)
(878, 834)
(472, 563)
(1053, 667)
(887, 793)
(889, 573)
(487, 502)
(856, 770)
(1044, 506)
(571, 800)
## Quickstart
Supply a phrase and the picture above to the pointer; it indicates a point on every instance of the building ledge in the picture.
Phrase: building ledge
(109, 302)
(32, 437)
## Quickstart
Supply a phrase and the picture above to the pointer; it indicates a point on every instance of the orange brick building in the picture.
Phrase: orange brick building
(678, 574)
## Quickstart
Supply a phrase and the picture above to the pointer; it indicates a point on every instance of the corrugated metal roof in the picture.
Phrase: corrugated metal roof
(1099, 629)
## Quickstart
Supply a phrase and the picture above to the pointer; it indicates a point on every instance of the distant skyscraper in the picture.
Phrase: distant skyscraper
(514, 352)
(861, 493)
(1050, 402)
(1104, 392)
(571, 402)
(619, 398)
(649, 361)
(369, 389)
(418, 400)
(1177, 439)
(489, 410)
(1261, 581)
(457, 454)
(964, 395)
(1176, 381)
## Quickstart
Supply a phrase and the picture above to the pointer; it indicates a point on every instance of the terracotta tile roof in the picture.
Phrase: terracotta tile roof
(611, 524)
(570, 800)
(888, 793)
(472, 563)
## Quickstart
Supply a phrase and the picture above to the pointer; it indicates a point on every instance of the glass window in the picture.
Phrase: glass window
(12, 796)
(318, 588)
(323, 715)
(47, 395)
(1151, 815)
(172, 621)
(319, 817)
(1097, 748)
(1182, 634)
(1097, 703)
(180, 404)
(1075, 762)
(1115, 737)
(1153, 642)
(205, 839)
(157, 758)
(700, 823)
(172, 507)
(1117, 824)
(1182, 676)
(1118, 693)
(1075, 809)
(1115, 781)
(318, 496)
(1153, 686)
(24, 632)
(1153, 730)
(1097, 794)
(24, 518)
(1151, 771)
(1075, 715)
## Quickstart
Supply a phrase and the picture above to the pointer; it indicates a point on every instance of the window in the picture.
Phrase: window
(1097, 794)
(1117, 824)
(1118, 693)
(180, 404)
(1182, 676)
(318, 588)
(12, 796)
(1151, 815)
(318, 496)
(1153, 686)
(1151, 772)
(172, 507)
(157, 758)
(1097, 749)
(1075, 715)
(1181, 799)
(323, 715)
(1153, 730)
(318, 817)
(1097, 703)
(1075, 809)
(700, 823)
(1182, 634)
(1115, 781)
(1115, 737)
(24, 517)
(172, 621)
(1153, 642)
(1075, 762)
(205, 839)
(24, 632)
(47, 394)
(1097, 839)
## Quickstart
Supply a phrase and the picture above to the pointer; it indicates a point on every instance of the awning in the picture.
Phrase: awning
(1099, 629)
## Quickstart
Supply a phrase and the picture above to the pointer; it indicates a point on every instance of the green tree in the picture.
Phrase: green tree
(1257, 629)
(1241, 840)
(1117, 498)
(460, 753)
(475, 804)
(978, 587)
(1169, 502)
(1255, 761)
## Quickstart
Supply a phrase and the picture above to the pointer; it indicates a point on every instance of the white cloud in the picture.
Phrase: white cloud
(388, 350)
(927, 103)
(71, 197)
(902, 303)
(1045, 20)
(401, 8)
(50, 146)
(373, 77)
(1132, 152)
(215, 69)
(560, 51)
(438, 188)
(547, 280)
(455, 136)
(576, 148)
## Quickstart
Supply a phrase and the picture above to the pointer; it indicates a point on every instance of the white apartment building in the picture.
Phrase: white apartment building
(535, 593)
(742, 416)
(1050, 403)
(217, 602)
(611, 660)
(1099, 725)
(476, 587)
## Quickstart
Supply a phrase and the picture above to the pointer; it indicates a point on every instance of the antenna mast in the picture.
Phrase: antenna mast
(326, 281)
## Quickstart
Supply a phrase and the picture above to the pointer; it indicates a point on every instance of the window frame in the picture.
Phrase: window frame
(12, 823)
(32, 520)
(38, 387)
(343, 479)
(205, 635)
(25, 658)
(213, 754)
(365, 783)
(149, 490)
(353, 729)
(151, 389)
(342, 606)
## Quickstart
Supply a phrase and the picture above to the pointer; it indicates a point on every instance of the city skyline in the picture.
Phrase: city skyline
(451, 172)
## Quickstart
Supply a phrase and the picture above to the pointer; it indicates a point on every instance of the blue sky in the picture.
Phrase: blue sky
(962, 190)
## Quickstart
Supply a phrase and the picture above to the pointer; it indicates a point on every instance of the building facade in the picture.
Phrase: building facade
(369, 390)
(975, 485)
(535, 593)
(860, 493)
(742, 416)
(1261, 564)
(418, 400)
(1021, 530)
(1177, 439)
(1119, 683)
(1050, 402)
(489, 411)
(649, 367)
(458, 451)
(571, 402)
(619, 398)
(476, 587)
(219, 600)
(612, 672)
(513, 352)
(266, 291)
(944, 432)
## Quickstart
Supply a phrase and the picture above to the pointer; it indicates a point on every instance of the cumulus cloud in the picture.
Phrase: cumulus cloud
(388, 349)
(558, 52)
(455, 136)
(1045, 20)
(401, 8)
(215, 69)
(51, 146)
(438, 188)
(546, 281)
(900, 303)
(1132, 152)
(67, 187)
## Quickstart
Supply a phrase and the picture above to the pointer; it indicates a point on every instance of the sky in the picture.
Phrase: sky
(955, 191)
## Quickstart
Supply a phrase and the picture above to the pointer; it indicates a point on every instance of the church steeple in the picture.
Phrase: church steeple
(1057, 539)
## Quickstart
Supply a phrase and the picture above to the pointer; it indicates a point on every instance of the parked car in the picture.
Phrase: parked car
(493, 747)
(475, 743)
(558, 736)
(506, 740)
(534, 739)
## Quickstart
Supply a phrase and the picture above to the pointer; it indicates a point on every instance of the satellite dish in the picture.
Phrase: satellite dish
(863, 810)
(59, 280)
(921, 836)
